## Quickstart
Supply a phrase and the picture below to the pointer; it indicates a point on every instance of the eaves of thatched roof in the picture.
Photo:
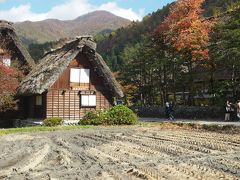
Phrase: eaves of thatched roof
(8, 29)
(54, 62)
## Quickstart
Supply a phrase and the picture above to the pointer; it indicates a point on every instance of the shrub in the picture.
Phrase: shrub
(90, 118)
(104, 118)
(53, 121)
(96, 118)
(122, 115)
(117, 115)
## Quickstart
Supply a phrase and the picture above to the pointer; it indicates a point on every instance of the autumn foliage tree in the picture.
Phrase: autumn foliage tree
(9, 79)
(186, 31)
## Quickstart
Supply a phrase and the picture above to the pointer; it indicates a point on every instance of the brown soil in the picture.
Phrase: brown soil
(120, 153)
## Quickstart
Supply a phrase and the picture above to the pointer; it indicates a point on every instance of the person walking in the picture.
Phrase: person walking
(238, 109)
(227, 111)
(169, 111)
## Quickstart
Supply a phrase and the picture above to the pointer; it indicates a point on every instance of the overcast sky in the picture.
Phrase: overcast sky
(35, 10)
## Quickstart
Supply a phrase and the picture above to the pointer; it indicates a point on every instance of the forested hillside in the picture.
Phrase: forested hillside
(112, 46)
(151, 75)
(215, 7)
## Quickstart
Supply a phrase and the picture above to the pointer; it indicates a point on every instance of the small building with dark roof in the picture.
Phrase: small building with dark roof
(68, 82)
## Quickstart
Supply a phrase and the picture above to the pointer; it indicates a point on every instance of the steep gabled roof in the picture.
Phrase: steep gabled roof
(14, 43)
(54, 62)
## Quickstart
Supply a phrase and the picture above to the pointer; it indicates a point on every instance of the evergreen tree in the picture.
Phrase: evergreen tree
(226, 51)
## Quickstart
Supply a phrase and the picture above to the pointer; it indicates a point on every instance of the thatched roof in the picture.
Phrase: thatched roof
(14, 44)
(54, 62)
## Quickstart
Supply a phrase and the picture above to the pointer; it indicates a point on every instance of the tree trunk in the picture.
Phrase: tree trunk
(234, 89)
(212, 83)
(190, 85)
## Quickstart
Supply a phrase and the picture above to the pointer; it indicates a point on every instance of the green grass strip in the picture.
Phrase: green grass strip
(40, 128)
(210, 127)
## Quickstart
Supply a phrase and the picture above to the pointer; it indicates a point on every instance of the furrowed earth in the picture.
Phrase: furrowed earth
(120, 153)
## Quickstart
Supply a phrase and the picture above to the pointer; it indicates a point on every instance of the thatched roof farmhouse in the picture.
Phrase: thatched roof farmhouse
(69, 81)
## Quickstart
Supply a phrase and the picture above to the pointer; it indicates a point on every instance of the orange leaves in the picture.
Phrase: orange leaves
(186, 30)
(127, 88)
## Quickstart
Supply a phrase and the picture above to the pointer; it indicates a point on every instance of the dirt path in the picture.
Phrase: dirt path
(120, 153)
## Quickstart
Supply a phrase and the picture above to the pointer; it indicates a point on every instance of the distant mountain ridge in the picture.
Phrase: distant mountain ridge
(53, 29)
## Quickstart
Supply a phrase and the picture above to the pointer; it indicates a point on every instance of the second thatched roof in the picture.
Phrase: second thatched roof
(14, 44)
(54, 63)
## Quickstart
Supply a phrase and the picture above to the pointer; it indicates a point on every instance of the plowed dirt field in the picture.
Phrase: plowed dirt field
(120, 153)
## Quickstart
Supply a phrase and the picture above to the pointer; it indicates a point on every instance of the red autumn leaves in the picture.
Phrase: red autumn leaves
(8, 78)
(186, 30)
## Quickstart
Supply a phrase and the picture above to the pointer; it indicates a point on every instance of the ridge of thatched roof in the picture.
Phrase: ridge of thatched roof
(8, 28)
(6, 25)
(56, 61)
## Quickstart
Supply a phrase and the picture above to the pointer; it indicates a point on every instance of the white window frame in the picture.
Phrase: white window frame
(7, 62)
(84, 75)
(88, 100)
(79, 75)
(74, 75)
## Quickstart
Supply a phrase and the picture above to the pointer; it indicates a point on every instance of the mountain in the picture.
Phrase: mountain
(53, 29)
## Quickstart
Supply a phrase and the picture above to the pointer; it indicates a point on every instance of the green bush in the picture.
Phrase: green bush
(122, 115)
(117, 115)
(104, 118)
(90, 118)
(95, 118)
(53, 121)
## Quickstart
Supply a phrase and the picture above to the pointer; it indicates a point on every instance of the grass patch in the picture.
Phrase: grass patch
(164, 125)
(40, 128)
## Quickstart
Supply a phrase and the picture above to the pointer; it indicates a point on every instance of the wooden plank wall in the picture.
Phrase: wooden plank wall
(68, 106)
